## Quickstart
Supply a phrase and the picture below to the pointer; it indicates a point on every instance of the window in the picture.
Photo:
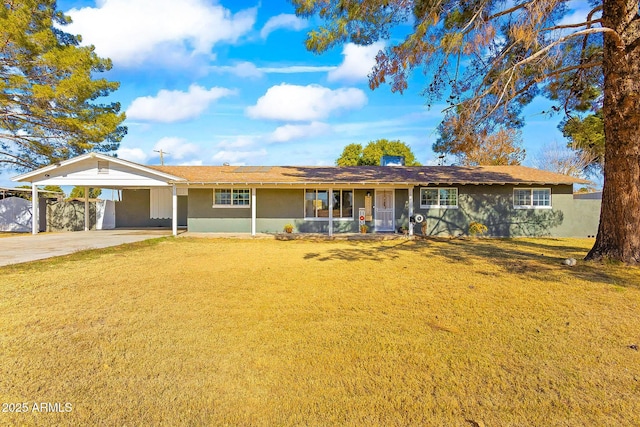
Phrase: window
(316, 204)
(438, 197)
(532, 198)
(227, 197)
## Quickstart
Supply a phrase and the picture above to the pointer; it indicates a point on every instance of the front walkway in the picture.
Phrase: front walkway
(24, 248)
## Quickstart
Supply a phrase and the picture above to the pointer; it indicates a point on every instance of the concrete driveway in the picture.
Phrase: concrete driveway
(25, 248)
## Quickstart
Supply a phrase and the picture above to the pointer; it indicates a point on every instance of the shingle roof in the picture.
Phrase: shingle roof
(366, 175)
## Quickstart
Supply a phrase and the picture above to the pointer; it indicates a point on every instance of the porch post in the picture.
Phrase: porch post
(253, 211)
(174, 213)
(35, 215)
(410, 210)
(86, 208)
(330, 212)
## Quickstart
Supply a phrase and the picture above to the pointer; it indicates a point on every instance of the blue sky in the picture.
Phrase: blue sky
(231, 81)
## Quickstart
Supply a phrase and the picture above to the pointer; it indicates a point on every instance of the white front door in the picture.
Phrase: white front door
(384, 210)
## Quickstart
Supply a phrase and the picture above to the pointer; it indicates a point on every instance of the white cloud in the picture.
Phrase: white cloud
(578, 12)
(357, 64)
(132, 154)
(176, 148)
(239, 157)
(240, 141)
(284, 20)
(174, 105)
(304, 103)
(191, 163)
(241, 69)
(248, 69)
(290, 132)
(293, 69)
(132, 31)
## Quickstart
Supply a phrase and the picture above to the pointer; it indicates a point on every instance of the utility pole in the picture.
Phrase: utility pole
(162, 153)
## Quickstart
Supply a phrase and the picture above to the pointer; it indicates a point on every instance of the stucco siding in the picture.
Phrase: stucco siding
(133, 210)
(584, 217)
(402, 208)
(201, 206)
(219, 225)
(280, 203)
(277, 207)
(492, 205)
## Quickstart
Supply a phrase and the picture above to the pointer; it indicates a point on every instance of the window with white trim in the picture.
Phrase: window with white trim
(439, 198)
(532, 198)
(316, 203)
(231, 197)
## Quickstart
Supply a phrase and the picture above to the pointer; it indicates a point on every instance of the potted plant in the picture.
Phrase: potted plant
(364, 228)
(288, 228)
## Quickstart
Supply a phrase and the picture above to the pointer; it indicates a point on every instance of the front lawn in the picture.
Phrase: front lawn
(181, 331)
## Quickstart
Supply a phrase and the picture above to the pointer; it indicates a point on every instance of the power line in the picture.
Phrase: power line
(162, 153)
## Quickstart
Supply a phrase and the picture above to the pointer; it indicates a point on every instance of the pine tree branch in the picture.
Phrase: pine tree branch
(546, 49)
(474, 17)
(587, 24)
(510, 10)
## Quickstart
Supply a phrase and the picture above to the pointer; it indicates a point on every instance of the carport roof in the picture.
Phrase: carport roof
(55, 173)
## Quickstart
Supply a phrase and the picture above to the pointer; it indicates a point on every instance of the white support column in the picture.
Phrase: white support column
(411, 224)
(330, 212)
(253, 211)
(35, 215)
(174, 213)
(86, 208)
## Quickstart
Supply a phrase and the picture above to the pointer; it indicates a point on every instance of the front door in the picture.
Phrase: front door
(384, 210)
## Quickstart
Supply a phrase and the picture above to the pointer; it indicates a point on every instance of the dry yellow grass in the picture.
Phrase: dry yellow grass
(10, 234)
(263, 332)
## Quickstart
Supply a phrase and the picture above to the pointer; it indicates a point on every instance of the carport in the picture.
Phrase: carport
(94, 170)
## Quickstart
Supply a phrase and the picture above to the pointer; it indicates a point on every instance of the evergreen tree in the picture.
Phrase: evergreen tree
(586, 135)
(355, 155)
(78, 193)
(48, 91)
(490, 58)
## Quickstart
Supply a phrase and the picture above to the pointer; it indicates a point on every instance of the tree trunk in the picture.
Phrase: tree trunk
(619, 230)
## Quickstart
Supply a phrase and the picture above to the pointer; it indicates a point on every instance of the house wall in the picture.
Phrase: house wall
(203, 217)
(584, 215)
(402, 208)
(134, 210)
(274, 209)
(493, 206)
(42, 214)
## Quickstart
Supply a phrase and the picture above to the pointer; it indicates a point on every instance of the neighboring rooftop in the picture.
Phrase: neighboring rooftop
(414, 175)
(7, 191)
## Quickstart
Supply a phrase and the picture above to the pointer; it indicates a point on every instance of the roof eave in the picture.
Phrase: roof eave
(26, 176)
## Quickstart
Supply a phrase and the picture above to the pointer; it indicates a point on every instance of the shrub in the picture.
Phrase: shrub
(476, 228)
